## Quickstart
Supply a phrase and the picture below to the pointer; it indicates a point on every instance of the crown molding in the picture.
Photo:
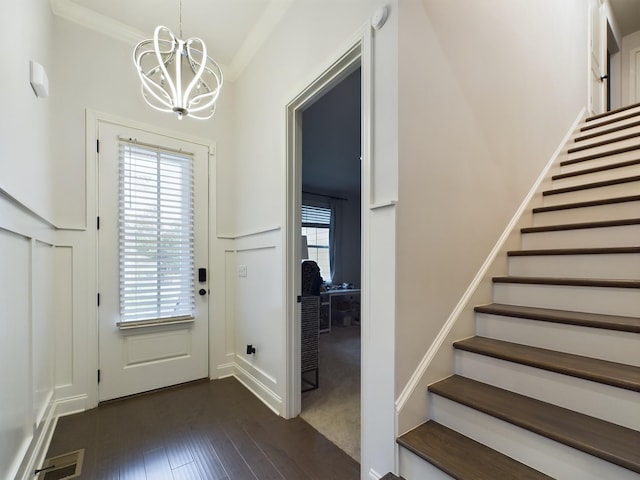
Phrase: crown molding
(94, 21)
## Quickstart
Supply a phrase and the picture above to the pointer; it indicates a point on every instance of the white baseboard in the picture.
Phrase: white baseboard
(373, 475)
(260, 390)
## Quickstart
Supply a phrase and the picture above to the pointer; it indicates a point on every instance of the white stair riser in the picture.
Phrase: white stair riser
(595, 162)
(610, 147)
(589, 194)
(611, 404)
(552, 458)
(600, 266)
(623, 236)
(597, 213)
(603, 344)
(600, 176)
(605, 300)
(620, 116)
(602, 138)
(413, 467)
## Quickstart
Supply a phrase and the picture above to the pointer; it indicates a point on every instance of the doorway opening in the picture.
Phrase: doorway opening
(331, 225)
(354, 61)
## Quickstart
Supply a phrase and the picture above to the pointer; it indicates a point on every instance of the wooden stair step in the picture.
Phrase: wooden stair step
(463, 458)
(608, 122)
(580, 148)
(601, 371)
(578, 226)
(587, 186)
(590, 203)
(391, 476)
(576, 282)
(602, 168)
(584, 319)
(610, 442)
(611, 112)
(593, 156)
(618, 128)
(574, 251)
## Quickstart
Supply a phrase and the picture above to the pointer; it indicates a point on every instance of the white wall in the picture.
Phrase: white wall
(311, 35)
(487, 91)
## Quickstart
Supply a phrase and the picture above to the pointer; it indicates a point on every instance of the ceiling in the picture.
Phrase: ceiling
(232, 30)
(627, 13)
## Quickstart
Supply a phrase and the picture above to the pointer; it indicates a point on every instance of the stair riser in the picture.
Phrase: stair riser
(605, 300)
(620, 116)
(624, 236)
(604, 149)
(608, 403)
(603, 138)
(606, 160)
(550, 457)
(601, 266)
(589, 194)
(414, 467)
(610, 345)
(599, 213)
(601, 176)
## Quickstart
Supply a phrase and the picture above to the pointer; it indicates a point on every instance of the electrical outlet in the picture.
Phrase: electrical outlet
(242, 270)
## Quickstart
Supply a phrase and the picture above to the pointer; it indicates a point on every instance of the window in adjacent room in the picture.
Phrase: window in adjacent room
(316, 222)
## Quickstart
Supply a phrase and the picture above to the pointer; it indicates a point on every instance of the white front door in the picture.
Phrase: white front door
(597, 57)
(152, 241)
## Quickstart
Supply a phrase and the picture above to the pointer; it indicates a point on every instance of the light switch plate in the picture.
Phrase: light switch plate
(242, 270)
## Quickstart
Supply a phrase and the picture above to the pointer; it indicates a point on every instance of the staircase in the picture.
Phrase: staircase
(550, 385)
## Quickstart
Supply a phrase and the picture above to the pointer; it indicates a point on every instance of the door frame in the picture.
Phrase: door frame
(357, 53)
(92, 120)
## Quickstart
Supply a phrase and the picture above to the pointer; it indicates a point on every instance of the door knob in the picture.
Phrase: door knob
(202, 291)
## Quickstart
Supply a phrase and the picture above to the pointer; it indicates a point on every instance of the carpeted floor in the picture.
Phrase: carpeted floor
(334, 408)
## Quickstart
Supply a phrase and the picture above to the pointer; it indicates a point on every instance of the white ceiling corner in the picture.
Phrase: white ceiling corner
(241, 29)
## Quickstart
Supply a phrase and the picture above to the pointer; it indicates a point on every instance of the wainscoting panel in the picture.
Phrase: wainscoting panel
(16, 400)
(63, 294)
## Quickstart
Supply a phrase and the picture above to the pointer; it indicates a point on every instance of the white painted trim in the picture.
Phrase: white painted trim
(414, 381)
(237, 236)
(373, 475)
(259, 389)
(379, 205)
(92, 20)
(634, 73)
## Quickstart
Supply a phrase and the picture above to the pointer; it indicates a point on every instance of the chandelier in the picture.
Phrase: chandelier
(177, 75)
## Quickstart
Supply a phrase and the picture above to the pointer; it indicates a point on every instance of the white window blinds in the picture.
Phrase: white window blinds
(156, 234)
(316, 216)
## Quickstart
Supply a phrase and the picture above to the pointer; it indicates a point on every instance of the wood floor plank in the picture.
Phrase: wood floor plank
(209, 430)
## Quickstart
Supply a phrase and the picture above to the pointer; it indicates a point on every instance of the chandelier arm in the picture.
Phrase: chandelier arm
(148, 84)
(156, 35)
(197, 75)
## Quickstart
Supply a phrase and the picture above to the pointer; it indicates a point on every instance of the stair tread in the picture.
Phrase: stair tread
(588, 186)
(602, 168)
(582, 225)
(593, 156)
(579, 282)
(596, 370)
(391, 476)
(463, 458)
(611, 112)
(608, 122)
(590, 203)
(585, 319)
(580, 148)
(613, 443)
(574, 251)
(618, 128)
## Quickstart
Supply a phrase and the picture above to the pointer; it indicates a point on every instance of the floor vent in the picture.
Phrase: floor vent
(62, 467)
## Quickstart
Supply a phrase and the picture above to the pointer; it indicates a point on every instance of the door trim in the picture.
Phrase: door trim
(357, 53)
(92, 120)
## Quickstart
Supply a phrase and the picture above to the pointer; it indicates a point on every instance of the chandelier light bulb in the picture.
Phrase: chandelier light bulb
(177, 75)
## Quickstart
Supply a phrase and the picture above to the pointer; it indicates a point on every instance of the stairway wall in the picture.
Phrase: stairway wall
(466, 71)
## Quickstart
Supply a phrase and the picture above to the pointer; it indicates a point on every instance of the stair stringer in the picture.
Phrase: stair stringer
(438, 362)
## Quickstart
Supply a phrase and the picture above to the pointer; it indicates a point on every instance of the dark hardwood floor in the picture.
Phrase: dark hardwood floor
(206, 430)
